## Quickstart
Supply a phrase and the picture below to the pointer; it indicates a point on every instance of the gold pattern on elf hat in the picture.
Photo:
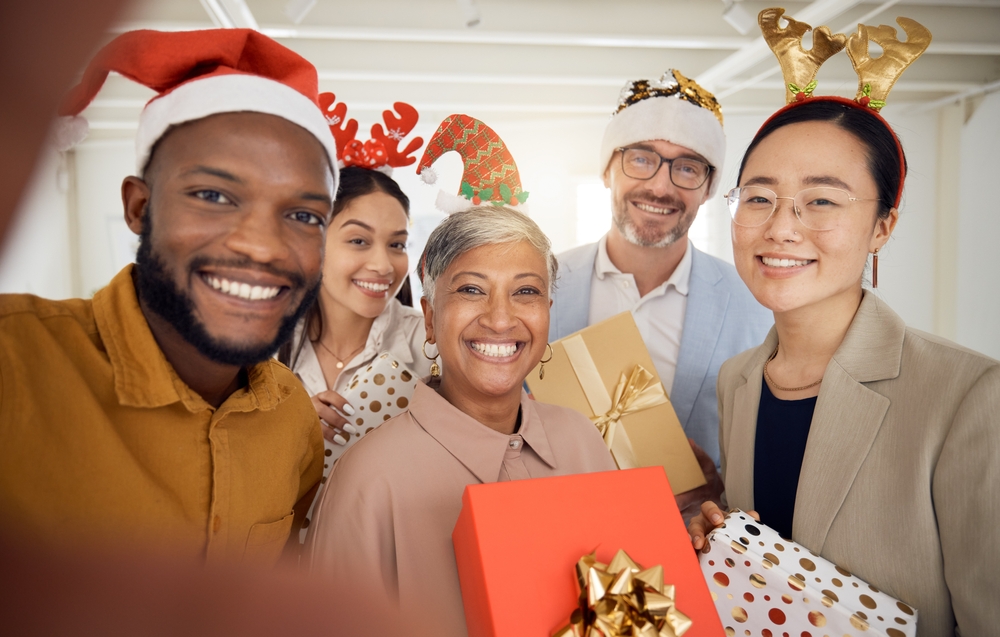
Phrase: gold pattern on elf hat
(876, 76)
(197, 74)
(382, 152)
(490, 175)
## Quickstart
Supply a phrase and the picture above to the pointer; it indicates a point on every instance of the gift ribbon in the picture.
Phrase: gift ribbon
(621, 599)
(635, 392)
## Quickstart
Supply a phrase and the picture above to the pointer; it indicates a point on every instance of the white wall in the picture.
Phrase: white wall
(36, 255)
(978, 307)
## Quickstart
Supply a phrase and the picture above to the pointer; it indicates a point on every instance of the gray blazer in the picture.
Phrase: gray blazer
(721, 320)
(900, 482)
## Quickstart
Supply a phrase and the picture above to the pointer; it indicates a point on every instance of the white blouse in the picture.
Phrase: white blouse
(398, 330)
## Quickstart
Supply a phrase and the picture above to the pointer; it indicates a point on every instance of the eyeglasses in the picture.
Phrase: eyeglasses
(685, 172)
(816, 208)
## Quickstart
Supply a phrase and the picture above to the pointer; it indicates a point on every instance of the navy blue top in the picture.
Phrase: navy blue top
(780, 444)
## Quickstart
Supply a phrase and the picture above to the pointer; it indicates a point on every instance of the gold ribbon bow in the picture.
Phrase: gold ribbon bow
(638, 391)
(621, 599)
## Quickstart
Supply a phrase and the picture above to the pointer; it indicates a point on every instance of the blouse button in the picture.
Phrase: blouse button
(514, 443)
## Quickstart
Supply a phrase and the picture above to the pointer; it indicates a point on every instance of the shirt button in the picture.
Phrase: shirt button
(514, 443)
(624, 284)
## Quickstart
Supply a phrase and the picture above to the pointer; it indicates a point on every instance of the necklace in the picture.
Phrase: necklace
(779, 387)
(340, 361)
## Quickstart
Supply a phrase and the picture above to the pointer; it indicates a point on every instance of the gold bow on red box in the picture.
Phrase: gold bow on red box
(621, 599)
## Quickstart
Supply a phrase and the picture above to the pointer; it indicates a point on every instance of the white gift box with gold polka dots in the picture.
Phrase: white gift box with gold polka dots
(378, 392)
(766, 586)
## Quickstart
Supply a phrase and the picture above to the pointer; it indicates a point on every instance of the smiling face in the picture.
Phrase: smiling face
(490, 320)
(786, 265)
(232, 211)
(654, 212)
(366, 258)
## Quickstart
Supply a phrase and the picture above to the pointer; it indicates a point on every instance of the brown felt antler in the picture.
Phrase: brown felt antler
(396, 129)
(877, 75)
(798, 66)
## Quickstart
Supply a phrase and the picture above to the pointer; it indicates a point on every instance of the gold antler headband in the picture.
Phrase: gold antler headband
(876, 76)
(798, 66)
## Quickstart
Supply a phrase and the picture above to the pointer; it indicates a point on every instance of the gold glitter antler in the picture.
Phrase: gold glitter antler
(798, 66)
(877, 75)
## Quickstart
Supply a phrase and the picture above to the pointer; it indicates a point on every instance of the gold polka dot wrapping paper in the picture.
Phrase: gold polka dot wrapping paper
(378, 392)
(766, 585)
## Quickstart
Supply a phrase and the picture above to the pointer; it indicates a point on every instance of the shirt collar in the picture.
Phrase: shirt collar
(142, 375)
(680, 279)
(480, 449)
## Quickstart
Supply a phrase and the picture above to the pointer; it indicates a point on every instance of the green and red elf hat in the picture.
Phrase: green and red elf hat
(490, 175)
(876, 76)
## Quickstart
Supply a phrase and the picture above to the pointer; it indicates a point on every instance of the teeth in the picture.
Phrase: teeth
(783, 263)
(374, 287)
(653, 209)
(495, 350)
(242, 290)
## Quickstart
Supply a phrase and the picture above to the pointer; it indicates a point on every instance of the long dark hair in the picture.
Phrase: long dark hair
(885, 154)
(354, 182)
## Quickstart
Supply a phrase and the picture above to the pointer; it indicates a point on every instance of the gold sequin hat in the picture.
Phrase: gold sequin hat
(672, 108)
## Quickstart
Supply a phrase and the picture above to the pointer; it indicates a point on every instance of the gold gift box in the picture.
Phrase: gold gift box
(604, 371)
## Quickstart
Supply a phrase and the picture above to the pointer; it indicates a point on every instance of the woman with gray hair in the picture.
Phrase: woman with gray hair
(386, 516)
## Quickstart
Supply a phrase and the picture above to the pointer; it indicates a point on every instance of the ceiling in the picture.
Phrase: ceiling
(538, 59)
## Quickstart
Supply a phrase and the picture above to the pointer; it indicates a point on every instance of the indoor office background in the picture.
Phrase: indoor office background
(546, 74)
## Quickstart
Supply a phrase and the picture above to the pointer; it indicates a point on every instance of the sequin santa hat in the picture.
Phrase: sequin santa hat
(382, 151)
(197, 74)
(673, 109)
(490, 175)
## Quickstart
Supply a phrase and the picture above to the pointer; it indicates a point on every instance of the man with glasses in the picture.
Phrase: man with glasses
(662, 155)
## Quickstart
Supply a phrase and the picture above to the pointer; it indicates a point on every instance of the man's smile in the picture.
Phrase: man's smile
(242, 290)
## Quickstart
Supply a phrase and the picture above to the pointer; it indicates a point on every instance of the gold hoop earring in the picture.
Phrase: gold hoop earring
(875, 269)
(435, 368)
(541, 367)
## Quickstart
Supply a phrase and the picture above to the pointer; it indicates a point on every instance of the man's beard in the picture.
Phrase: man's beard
(161, 295)
(650, 236)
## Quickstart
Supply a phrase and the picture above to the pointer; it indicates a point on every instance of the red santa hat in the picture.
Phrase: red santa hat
(490, 175)
(201, 73)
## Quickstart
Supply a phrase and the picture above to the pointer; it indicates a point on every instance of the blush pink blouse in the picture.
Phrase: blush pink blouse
(385, 518)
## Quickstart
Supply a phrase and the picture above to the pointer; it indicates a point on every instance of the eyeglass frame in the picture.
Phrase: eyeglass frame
(670, 167)
(795, 209)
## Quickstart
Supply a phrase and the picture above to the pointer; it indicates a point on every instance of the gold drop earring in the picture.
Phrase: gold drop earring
(435, 368)
(541, 367)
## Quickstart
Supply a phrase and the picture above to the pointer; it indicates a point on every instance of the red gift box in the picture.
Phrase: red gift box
(517, 544)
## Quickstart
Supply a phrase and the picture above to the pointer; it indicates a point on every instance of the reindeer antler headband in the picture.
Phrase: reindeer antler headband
(876, 76)
(382, 151)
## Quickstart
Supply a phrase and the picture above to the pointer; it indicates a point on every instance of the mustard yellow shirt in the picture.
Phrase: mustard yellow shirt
(101, 440)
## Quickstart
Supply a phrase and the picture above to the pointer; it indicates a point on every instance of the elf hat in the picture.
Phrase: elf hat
(673, 109)
(197, 74)
(490, 174)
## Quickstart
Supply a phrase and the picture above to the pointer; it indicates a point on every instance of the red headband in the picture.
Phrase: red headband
(852, 103)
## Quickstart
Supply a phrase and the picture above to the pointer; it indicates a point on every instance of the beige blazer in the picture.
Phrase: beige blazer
(900, 482)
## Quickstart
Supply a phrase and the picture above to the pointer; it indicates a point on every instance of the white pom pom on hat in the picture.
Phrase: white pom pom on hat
(69, 131)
